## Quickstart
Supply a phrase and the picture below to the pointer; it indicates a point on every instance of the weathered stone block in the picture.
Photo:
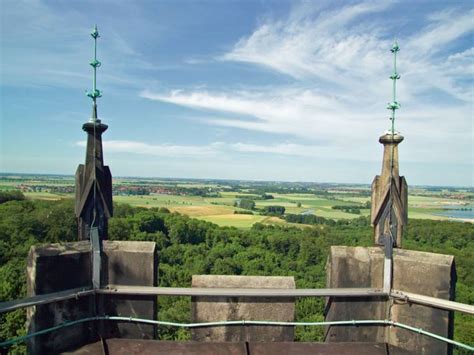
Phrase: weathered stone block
(133, 264)
(426, 274)
(58, 267)
(352, 267)
(416, 272)
(209, 309)
(53, 268)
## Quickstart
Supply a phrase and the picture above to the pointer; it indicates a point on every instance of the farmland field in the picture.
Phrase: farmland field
(217, 201)
(220, 210)
(243, 221)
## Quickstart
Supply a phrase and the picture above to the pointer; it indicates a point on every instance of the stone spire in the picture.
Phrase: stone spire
(93, 180)
(389, 190)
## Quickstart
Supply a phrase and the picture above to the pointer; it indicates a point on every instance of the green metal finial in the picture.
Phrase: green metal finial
(394, 105)
(94, 94)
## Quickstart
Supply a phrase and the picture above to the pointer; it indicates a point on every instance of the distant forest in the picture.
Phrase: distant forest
(189, 246)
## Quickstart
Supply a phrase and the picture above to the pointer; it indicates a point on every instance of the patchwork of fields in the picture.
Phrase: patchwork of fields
(218, 201)
(220, 210)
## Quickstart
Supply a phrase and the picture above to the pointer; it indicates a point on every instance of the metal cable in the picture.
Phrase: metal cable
(236, 323)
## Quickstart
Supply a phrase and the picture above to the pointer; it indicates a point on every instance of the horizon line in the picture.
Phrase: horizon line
(236, 180)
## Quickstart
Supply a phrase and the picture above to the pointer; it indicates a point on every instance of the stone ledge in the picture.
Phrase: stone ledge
(232, 281)
(209, 309)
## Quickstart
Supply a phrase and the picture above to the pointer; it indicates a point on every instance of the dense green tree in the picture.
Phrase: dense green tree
(189, 246)
(274, 210)
(246, 204)
(11, 195)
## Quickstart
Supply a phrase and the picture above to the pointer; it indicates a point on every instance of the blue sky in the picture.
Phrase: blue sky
(265, 90)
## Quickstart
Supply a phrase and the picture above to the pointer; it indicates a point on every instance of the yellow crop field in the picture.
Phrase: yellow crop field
(244, 221)
(201, 211)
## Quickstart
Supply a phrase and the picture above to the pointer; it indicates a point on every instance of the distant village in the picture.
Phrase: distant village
(124, 190)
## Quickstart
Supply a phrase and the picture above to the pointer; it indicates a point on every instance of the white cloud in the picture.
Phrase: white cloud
(340, 63)
(299, 112)
(338, 129)
(306, 44)
(286, 149)
(444, 28)
(215, 149)
(165, 150)
(50, 46)
(349, 52)
(333, 49)
(221, 151)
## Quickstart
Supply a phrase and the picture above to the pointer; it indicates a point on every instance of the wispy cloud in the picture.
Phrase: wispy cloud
(164, 150)
(296, 111)
(334, 126)
(222, 150)
(443, 28)
(207, 150)
(340, 63)
(348, 50)
(50, 47)
(314, 44)
(290, 149)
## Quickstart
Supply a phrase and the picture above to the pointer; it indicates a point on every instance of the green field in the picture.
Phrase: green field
(220, 210)
(244, 221)
(47, 195)
(423, 204)
(310, 204)
(168, 201)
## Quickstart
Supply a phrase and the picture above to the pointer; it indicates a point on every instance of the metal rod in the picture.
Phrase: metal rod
(96, 249)
(432, 301)
(44, 299)
(94, 83)
(387, 269)
(235, 292)
(190, 291)
(242, 292)
(394, 81)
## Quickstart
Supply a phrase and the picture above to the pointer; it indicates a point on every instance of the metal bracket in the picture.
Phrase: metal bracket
(387, 266)
(96, 257)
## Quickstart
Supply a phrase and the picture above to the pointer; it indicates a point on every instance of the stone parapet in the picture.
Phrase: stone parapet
(58, 267)
(209, 309)
(423, 273)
